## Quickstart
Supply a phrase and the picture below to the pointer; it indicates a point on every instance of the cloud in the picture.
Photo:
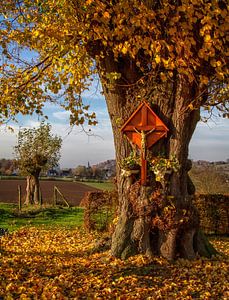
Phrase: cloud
(31, 124)
(81, 149)
(61, 115)
(77, 147)
(210, 141)
(7, 142)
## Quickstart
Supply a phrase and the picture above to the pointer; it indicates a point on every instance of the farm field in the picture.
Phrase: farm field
(61, 264)
(73, 191)
(106, 186)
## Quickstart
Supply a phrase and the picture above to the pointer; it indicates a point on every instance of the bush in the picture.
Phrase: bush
(99, 209)
(214, 213)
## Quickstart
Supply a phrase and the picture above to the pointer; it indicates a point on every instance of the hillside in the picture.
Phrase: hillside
(208, 177)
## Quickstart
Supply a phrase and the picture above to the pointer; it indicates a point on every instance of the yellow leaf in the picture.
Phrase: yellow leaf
(201, 53)
(36, 33)
(158, 48)
(191, 107)
(207, 38)
(170, 74)
(106, 15)
(71, 80)
(204, 79)
(6, 89)
(124, 50)
(218, 63)
(163, 77)
(157, 59)
(220, 75)
(166, 62)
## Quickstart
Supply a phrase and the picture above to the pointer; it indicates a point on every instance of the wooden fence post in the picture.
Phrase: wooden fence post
(19, 197)
(54, 196)
(40, 196)
(56, 190)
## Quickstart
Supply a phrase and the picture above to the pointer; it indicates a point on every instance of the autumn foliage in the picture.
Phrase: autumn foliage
(60, 264)
(172, 54)
(68, 41)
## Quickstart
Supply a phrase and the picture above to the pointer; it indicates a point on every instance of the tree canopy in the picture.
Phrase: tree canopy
(55, 48)
(37, 150)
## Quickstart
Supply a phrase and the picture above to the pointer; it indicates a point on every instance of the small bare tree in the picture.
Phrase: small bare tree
(37, 150)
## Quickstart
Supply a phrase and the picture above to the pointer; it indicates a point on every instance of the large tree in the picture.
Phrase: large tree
(170, 53)
(37, 150)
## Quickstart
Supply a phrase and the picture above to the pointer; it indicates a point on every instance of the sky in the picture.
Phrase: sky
(209, 142)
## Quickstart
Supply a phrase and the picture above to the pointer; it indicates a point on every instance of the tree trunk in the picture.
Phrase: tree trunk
(32, 189)
(158, 218)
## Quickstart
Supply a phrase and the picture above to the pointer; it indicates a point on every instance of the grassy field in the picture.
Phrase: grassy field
(12, 219)
(105, 186)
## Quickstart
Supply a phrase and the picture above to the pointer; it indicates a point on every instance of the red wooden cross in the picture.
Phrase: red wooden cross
(144, 128)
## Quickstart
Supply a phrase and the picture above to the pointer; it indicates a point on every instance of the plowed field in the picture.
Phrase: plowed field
(72, 191)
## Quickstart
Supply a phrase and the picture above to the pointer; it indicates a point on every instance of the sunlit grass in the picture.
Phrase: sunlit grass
(12, 219)
(105, 186)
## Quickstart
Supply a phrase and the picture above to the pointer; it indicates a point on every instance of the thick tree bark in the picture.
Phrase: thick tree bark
(32, 189)
(149, 221)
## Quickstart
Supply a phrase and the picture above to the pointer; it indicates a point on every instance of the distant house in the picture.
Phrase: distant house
(202, 163)
(54, 172)
(106, 169)
(66, 172)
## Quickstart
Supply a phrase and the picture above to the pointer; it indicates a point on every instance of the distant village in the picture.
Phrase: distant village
(221, 167)
(101, 171)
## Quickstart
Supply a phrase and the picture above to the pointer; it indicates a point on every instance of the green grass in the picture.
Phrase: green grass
(103, 218)
(105, 186)
(51, 217)
(4, 177)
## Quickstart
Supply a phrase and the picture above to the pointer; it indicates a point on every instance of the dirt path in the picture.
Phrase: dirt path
(72, 191)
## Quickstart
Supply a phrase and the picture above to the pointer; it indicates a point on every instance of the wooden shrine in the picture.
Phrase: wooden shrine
(144, 128)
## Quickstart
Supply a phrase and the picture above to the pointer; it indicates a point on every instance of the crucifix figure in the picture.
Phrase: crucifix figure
(144, 128)
(144, 134)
